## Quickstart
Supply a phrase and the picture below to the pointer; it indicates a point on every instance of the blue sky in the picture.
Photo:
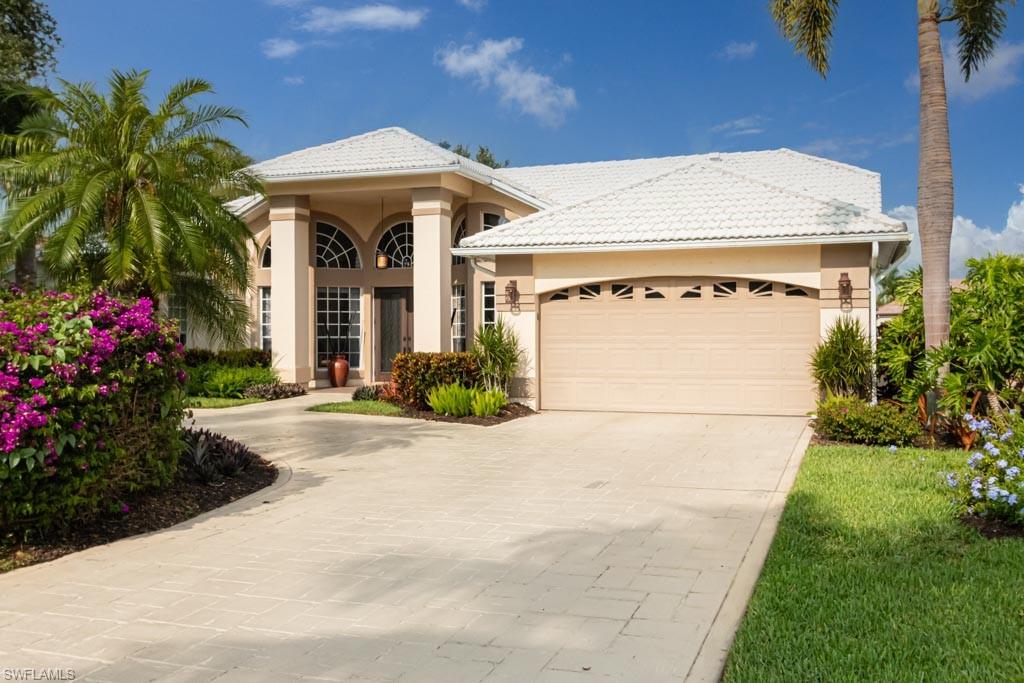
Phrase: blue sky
(573, 80)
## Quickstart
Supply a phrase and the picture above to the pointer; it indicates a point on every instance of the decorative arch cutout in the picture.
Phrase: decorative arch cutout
(457, 236)
(334, 249)
(396, 245)
(265, 255)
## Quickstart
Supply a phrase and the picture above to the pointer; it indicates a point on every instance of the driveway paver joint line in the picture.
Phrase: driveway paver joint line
(709, 663)
(392, 550)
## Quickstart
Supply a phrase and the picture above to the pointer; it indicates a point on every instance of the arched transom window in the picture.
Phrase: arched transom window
(265, 256)
(457, 236)
(396, 244)
(334, 249)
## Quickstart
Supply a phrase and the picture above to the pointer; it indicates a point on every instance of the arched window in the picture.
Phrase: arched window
(457, 236)
(265, 256)
(396, 244)
(334, 249)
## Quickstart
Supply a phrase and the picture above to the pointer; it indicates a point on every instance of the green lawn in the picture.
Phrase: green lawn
(359, 408)
(209, 402)
(871, 579)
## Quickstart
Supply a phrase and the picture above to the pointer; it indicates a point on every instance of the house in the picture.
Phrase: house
(693, 283)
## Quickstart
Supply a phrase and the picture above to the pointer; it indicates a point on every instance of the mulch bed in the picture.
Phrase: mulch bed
(512, 411)
(150, 511)
(992, 528)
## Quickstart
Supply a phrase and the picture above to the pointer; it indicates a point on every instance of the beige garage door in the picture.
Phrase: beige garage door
(708, 345)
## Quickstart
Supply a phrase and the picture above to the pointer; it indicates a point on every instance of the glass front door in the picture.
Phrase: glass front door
(394, 326)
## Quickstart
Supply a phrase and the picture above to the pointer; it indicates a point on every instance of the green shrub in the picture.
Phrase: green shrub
(982, 364)
(370, 392)
(498, 356)
(223, 382)
(232, 358)
(843, 363)
(488, 403)
(453, 399)
(91, 404)
(196, 377)
(850, 419)
(274, 391)
(415, 374)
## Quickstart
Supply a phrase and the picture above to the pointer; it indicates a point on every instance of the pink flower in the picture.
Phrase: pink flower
(37, 382)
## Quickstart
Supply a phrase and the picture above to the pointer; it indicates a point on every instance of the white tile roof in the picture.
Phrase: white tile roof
(570, 183)
(380, 152)
(700, 201)
(765, 195)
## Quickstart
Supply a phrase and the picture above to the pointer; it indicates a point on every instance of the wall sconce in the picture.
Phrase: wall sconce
(845, 290)
(512, 295)
(382, 260)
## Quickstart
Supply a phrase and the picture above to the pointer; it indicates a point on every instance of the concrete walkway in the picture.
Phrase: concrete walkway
(561, 547)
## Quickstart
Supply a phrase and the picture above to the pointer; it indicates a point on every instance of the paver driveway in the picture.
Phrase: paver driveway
(557, 547)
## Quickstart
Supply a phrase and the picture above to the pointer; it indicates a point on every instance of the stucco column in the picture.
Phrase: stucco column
(290, 290)
(432, 269)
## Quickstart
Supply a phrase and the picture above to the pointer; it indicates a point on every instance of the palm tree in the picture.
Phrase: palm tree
(808, 24)
(131, 198)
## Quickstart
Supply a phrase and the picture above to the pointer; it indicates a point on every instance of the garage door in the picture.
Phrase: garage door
(707, 345)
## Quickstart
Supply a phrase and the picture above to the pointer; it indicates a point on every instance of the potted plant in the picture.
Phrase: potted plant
(337, 362)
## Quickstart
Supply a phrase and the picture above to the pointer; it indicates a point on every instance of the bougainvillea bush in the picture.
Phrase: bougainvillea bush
(992, 483)
(91, 403)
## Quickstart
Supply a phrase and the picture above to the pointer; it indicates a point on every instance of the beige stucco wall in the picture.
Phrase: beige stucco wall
(855, 261)
(797, 265)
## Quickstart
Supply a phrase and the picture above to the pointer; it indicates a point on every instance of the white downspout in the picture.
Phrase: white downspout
(873, 317)
(475, 262)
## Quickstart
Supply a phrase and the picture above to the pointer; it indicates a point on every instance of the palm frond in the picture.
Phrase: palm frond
(808, 24)
(131, 197)
(980, 23)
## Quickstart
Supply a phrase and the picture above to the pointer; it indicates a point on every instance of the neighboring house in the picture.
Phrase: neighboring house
(693, 283)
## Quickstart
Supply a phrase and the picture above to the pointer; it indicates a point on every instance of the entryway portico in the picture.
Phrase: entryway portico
(363, 266)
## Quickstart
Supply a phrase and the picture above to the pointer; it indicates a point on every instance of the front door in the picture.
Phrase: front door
(393, 328)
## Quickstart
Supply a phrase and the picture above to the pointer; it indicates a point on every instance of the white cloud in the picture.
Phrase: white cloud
(1000, 72)
(737, 50)
(857, 147)
(491, 63)
(747, 125)
(473, 5)
(279, 48)
(294, 80)
(969, 239)
(365, 17)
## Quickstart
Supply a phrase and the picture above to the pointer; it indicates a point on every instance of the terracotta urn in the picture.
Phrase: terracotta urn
(337, 371)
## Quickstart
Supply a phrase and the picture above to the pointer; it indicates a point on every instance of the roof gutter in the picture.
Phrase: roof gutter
(683, 244)
(499, 185)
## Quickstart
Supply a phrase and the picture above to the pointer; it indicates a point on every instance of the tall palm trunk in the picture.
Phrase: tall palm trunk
(935, 177)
